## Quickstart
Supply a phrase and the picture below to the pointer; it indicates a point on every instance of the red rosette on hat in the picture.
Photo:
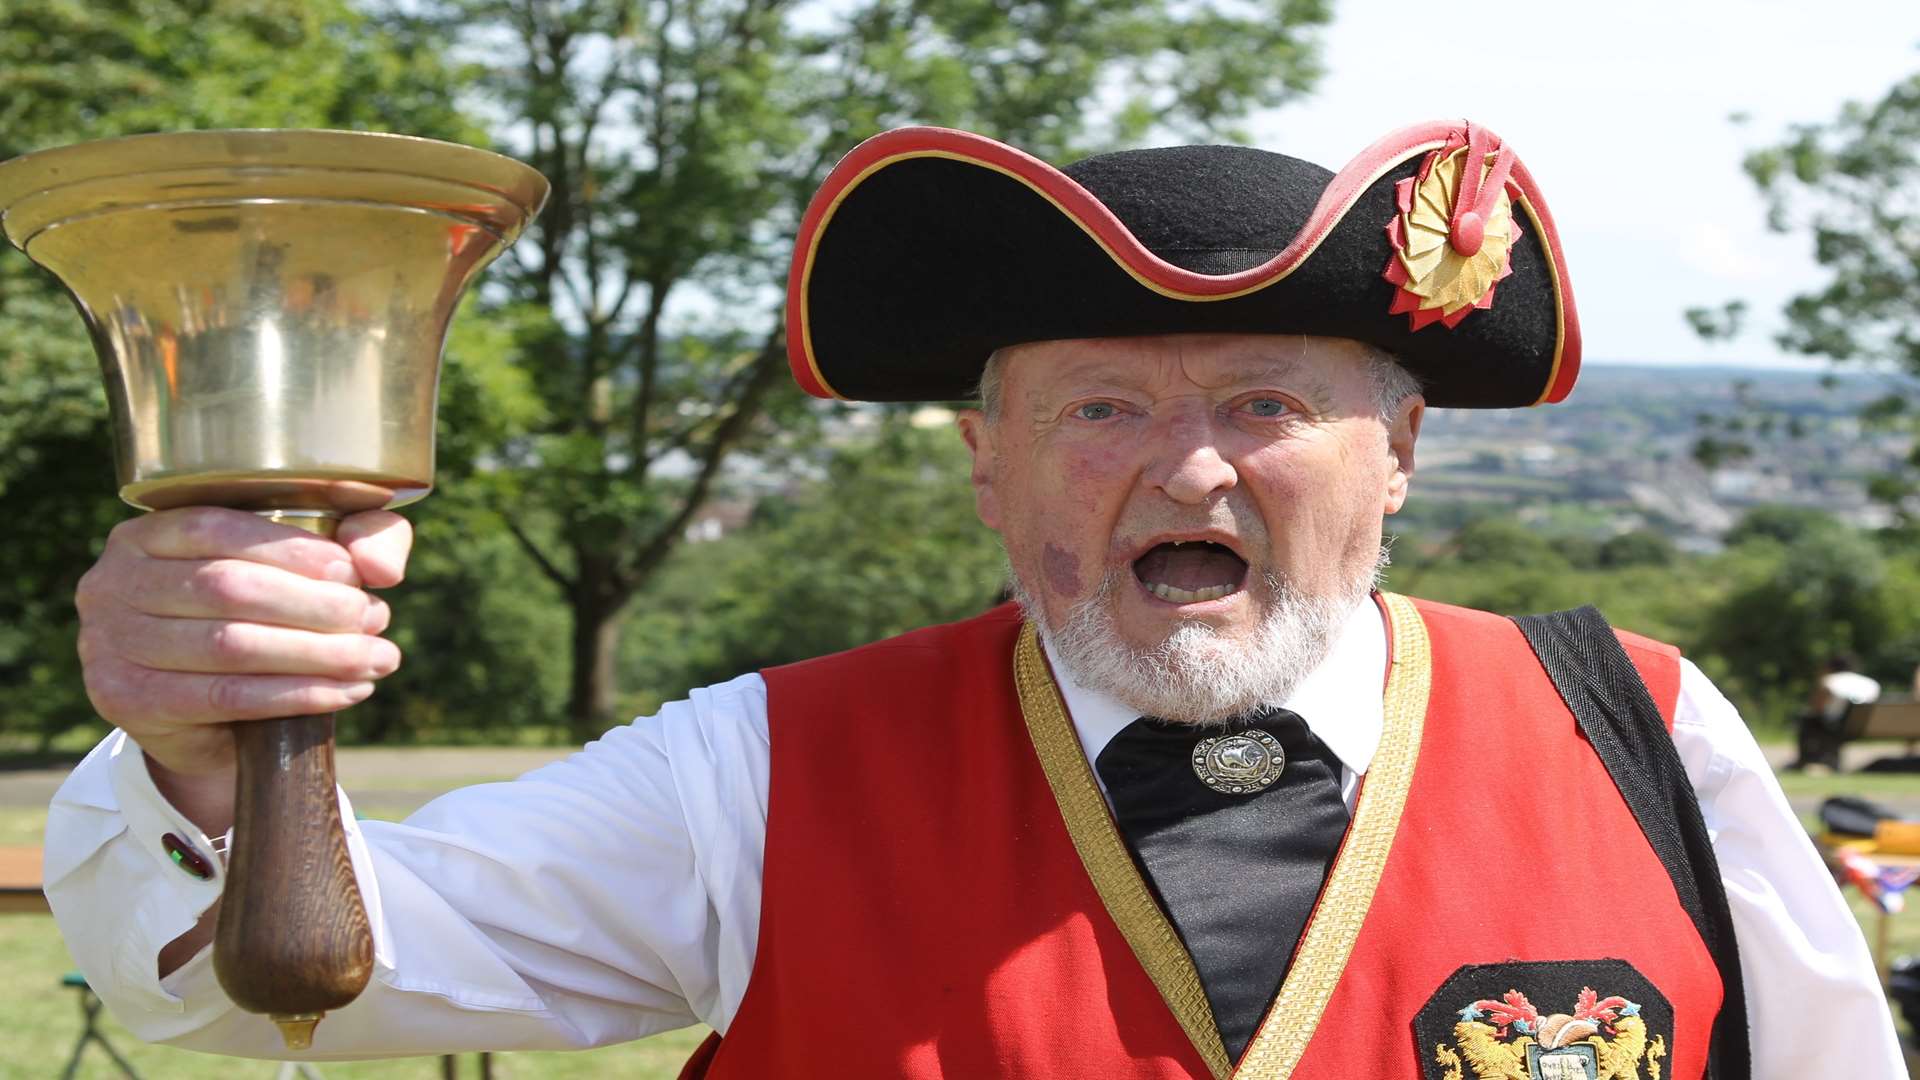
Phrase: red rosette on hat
(1454, 234)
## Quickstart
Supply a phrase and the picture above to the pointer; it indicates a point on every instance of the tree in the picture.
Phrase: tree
(1795, 601)
(1638, 547)
(1852, 184)
(683, 140)
(71, 71)
(1503, 541)
(1787, 525)
(798, 581)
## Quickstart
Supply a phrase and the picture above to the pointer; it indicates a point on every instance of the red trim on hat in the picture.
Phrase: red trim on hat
(1151, 271)
(1566, 358)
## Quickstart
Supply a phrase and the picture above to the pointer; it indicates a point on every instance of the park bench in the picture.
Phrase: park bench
(20, 880)
(1891, 718)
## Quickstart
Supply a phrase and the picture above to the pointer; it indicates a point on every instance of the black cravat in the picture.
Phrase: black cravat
(1237, 874)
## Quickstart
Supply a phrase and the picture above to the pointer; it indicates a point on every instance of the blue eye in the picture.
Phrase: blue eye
(1097, 410)
(1266, 407)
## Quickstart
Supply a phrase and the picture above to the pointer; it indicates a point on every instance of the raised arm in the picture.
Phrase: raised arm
(605, 897)
(195, 618)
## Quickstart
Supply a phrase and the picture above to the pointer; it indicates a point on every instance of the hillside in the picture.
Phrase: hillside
(1625, 452)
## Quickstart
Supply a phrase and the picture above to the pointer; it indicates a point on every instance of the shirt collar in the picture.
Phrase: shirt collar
(1341, 700)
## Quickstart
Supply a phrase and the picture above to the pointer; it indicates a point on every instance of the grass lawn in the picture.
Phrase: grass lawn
(39, 1020)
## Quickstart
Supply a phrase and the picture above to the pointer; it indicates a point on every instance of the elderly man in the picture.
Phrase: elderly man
(1203, 803)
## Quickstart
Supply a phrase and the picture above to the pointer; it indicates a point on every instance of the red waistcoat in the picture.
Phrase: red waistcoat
(926, 914)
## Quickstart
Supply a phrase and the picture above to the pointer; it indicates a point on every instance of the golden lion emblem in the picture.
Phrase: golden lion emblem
(1508, 1039)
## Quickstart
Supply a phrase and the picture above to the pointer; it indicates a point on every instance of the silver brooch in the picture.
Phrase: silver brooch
(1239, 764)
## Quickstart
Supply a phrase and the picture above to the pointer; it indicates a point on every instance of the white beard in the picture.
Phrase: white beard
(1194, 676)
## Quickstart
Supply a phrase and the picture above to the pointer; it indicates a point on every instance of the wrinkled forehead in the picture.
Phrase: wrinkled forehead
(1314, 366)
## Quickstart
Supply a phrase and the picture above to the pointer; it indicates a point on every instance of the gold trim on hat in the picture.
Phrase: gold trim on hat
(1344, 900)
(1559, 297)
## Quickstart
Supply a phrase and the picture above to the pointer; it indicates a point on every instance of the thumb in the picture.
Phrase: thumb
(379, 542)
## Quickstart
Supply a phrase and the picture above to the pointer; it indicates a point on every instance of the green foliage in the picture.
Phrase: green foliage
(1712, 452)
(1640, 547)
(884, 541)
(1786, 525)
(1793, 587)
(632, 345)
(1718, 324)
(476, 634)
(71, 71)
(1790, 605)
(1852, 186)
(683, 142)
(1504, 542)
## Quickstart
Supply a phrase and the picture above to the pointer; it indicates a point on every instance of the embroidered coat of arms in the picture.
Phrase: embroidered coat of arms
(1507, 1039)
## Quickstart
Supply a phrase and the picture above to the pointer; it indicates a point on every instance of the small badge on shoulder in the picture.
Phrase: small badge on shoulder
(1545, 1020)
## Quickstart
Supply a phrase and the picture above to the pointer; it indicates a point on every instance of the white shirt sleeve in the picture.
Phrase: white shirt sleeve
(605, 897)
(1814, 1003)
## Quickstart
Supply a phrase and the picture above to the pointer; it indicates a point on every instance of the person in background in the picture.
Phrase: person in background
(1822, 723)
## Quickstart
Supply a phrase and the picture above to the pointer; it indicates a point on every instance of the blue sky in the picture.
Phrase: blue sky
(1620, 109)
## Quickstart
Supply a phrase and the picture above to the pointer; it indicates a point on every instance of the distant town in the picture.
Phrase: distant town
(1681, 450)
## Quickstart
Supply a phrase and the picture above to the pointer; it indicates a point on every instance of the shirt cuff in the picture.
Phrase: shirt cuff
(126, 872)
(194, 864)
(186, 858)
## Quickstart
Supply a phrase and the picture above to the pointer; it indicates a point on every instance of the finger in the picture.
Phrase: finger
(379, 616)
(207, 532)
(215, 646)
(379, 542)
(231, 589)
(144, 701)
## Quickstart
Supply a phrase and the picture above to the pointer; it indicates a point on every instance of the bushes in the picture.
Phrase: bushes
(1792, 587)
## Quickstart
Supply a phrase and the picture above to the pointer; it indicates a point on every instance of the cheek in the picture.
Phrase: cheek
(1062, 570)
(1094, 474)
(1310, 504)
(1061, 526)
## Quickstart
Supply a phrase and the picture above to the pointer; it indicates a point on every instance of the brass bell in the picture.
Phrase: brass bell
(269, 309)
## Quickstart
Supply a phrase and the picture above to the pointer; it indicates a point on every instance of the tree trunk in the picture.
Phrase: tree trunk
(596, 641)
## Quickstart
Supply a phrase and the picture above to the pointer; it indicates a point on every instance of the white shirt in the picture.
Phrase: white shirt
(615, 894)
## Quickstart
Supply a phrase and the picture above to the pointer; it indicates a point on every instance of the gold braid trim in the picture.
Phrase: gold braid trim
(1295, 1013)
(1105, 856)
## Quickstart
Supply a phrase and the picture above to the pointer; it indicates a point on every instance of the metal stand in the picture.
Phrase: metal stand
(90, 1029)
(450, 1066)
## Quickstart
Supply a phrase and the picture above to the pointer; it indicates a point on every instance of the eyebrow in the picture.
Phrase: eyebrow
(1282, 369)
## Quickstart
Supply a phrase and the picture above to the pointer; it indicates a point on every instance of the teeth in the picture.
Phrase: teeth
(1189, 596)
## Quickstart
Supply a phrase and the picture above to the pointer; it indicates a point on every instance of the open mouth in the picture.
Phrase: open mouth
(1190, 571)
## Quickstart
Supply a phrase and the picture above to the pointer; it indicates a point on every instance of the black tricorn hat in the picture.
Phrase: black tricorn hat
(928, 248)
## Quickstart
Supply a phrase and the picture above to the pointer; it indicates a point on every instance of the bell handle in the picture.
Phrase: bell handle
(292, 939)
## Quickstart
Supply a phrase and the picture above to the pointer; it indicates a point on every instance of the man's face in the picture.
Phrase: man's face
(1184, 472)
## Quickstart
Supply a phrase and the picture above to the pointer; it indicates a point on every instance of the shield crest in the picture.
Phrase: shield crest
(1545, 1020)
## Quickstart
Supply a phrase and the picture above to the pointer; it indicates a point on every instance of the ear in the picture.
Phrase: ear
(1401, 435)
(977, 430)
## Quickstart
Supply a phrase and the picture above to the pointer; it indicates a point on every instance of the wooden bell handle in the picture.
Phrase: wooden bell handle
(293, 939)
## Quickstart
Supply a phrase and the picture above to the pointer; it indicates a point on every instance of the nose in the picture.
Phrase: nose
(1190, 468)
